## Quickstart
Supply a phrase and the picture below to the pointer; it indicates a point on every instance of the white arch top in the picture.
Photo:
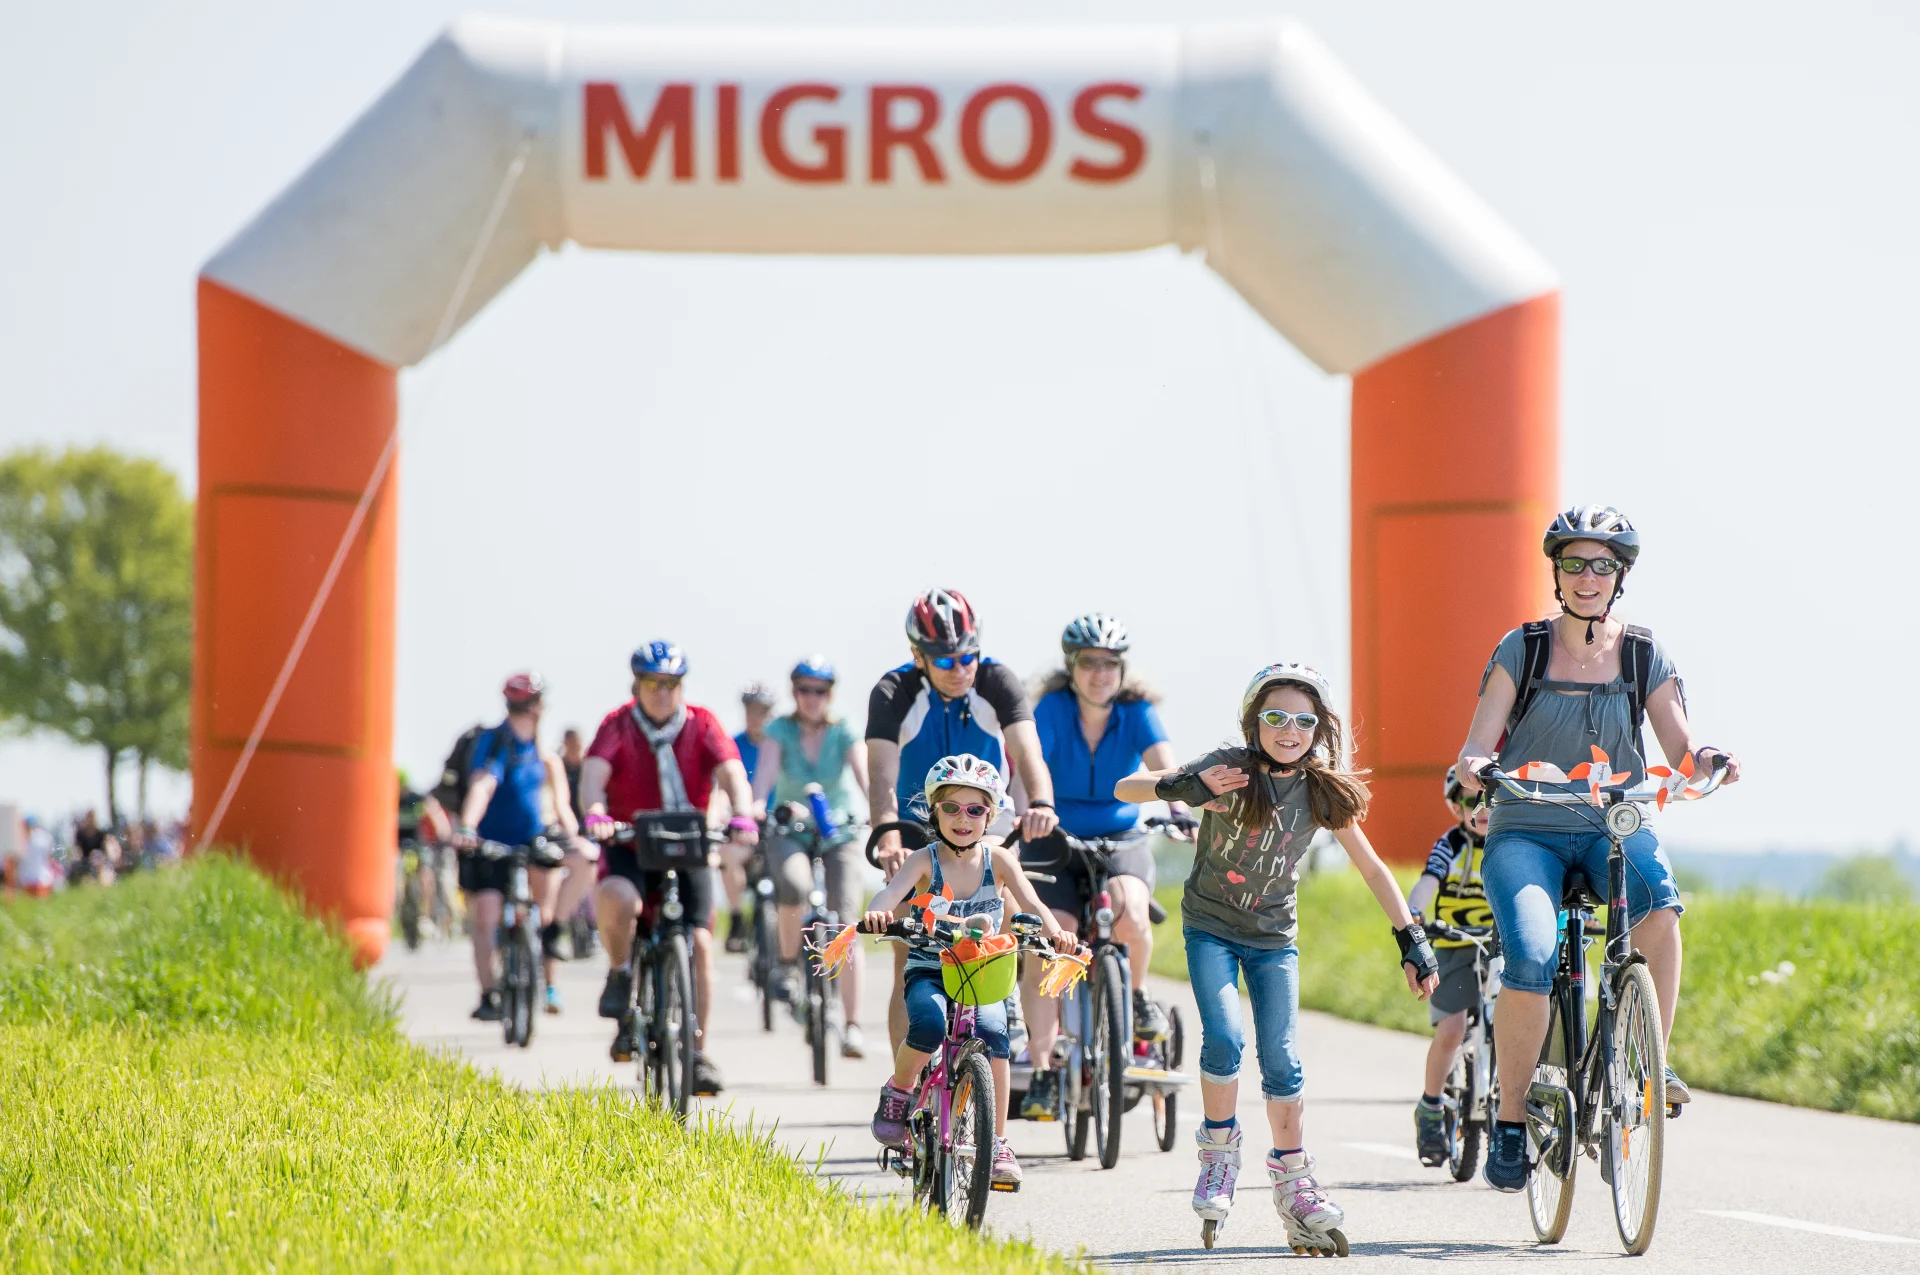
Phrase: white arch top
(1249, 142)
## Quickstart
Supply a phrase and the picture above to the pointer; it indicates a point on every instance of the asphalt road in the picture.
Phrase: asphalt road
(1750, 1186)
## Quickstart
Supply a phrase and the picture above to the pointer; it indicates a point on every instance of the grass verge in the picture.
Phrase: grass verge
(1815, 1004)
(197, 1079)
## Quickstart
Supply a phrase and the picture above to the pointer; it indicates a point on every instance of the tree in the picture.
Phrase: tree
(96, 604)
(1865, 878)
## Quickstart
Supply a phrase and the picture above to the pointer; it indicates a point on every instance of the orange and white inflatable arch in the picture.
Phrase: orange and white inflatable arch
(1250, 143)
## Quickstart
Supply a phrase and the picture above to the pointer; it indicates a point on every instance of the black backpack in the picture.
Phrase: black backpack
(1636, 666)
(456, 776)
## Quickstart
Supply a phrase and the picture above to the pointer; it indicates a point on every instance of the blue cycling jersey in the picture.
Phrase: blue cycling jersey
(906, 710)
(1083, 781)
(749, 755)
(515, 814)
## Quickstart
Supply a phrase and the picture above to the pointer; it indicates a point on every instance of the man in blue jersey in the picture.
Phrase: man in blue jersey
(948, 700)
(518, 791)
(756, 701)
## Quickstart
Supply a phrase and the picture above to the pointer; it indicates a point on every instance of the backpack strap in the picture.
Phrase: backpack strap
(1636, 666)
(1536, 637)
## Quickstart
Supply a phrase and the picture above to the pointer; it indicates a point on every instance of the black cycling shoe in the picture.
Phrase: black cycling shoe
(1430, 1133)
(706, 1077)
(617, 995)
(1149, 1020)
(737, 934)
(489, 1011)
(1043, 1097)
(1507, 1166)
(622, 1050)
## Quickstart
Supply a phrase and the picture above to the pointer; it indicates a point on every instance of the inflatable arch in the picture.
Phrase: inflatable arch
(1250, 144)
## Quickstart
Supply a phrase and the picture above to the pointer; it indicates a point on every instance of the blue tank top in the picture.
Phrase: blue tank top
(514, 816)
(1083, 781)
(985, 901)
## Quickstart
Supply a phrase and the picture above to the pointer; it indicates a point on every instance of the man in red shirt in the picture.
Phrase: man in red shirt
(623, 776)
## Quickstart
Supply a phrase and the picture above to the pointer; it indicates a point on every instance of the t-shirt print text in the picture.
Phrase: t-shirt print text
(1258, 864)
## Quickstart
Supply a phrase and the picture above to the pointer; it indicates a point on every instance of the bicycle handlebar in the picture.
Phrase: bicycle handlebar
(1491, 776)
(945, 933)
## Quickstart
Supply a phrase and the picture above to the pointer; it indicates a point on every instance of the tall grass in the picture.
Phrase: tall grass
(196, 1079)
(1841, 1031)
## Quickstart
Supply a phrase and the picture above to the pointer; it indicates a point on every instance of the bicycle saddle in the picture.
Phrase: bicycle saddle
(1578, 893)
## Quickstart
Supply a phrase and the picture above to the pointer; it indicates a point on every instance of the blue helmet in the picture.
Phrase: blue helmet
(660, 659)
(818, 667)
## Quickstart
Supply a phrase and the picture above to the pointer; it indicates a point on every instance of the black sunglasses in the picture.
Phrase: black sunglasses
(1601, 566)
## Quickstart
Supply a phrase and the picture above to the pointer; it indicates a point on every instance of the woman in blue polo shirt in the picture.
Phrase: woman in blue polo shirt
(1096, 727)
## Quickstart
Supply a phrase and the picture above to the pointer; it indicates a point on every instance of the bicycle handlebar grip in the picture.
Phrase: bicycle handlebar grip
(912, 835)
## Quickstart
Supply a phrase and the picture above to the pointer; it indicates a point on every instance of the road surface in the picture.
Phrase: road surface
(1750, 1186)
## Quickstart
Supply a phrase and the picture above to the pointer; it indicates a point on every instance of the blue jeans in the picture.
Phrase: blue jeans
(1525, 872)
(927, 1017)
(1214, 966)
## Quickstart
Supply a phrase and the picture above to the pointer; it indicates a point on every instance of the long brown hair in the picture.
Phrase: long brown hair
(1336, 794)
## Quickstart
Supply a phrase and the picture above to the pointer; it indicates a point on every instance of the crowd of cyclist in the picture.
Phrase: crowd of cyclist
(955, 743)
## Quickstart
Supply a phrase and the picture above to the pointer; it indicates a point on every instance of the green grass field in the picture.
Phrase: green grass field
(1840, 1032)
(197, 1079)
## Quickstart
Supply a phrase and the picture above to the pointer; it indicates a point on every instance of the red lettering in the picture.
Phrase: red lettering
(727, 133)
(831, 138)
(972, 128)
(672, 111)
(1087, 118)
(883, 134)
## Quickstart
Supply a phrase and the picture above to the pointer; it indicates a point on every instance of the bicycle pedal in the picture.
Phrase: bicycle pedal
(1010, 1188)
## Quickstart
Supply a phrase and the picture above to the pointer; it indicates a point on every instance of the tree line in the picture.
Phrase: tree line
(96, 605)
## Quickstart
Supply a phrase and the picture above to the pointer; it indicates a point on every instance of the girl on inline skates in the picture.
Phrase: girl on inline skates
(964, 795)
(1263, 802)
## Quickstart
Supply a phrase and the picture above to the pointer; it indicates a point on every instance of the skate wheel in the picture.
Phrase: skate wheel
(1299, 1249)
(1339, 1242)
(1207, 1232)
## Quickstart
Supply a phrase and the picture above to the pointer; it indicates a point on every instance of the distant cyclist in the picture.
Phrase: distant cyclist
(949, 700)
(756, 702)
(517, 792)
(422, 821)
(1449, 891)
(658, 753)
(1096, 727)
(812, 746)
(1553, 690)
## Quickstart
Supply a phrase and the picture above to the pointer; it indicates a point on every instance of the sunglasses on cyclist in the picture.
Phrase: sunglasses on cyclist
(661, 683)
(1278, 720)
(1600, 566)
(812, 690)
(974, 809)
(1097, 663)
(949, 662)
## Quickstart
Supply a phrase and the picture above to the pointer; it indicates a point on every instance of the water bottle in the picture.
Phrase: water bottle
(822, 816)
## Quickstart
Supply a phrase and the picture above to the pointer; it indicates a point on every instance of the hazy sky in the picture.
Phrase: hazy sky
(761, 457)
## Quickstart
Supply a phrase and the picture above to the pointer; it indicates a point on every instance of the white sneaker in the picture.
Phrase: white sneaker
(853, 1043)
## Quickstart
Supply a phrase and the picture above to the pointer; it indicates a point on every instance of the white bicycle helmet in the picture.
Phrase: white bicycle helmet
(1275, 674)
(964, 770)
(1094, 631)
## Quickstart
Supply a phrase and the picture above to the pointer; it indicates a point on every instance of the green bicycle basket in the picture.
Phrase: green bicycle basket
(981, 971)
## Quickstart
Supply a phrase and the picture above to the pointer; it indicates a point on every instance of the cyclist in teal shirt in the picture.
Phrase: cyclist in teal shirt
(757, 703)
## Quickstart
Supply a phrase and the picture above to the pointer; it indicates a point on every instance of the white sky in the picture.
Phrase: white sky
(1728, 192)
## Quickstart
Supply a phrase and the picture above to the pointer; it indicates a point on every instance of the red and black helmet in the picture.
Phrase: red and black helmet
(524, 688)
(941, 622)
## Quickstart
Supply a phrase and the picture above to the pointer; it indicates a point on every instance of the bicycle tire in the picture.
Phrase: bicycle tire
(1637, 1089)
(1463, 1131)
(966, 1162)
(520, 991)
(410, 912)
(1550, 1193)
(1112, 1044)
(676, 1023)
(817, 1020)
(643, 1019)
(1166, 1121)
(765, 942)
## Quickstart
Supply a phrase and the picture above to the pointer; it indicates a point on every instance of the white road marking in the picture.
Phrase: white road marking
(1383, 1148)
(1818, 1228)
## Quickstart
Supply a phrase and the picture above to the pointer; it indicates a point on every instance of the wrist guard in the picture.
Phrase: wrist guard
(1416, 951)
(1181, 786)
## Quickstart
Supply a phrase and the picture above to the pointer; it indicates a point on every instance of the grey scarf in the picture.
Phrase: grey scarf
(673, 790)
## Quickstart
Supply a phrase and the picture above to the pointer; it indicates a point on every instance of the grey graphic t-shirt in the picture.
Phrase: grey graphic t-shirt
(1242, 884)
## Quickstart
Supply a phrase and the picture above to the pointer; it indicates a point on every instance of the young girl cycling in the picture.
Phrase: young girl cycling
(964, 795)
(1264, 800)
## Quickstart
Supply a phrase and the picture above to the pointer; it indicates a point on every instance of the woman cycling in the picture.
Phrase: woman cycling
(812, 746)
(1096, 727)
(964, 797)
(1552, 692)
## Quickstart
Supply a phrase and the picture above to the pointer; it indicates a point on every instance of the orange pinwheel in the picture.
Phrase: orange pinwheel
(1061, 972)
(832, 958)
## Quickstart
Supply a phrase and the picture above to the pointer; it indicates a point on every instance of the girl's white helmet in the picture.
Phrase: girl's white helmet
(1275, 674)
(964, 770)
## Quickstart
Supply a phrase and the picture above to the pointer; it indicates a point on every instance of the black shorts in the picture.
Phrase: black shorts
(479, 873)
(1459, 986)
(696, 884)
(1070, 890)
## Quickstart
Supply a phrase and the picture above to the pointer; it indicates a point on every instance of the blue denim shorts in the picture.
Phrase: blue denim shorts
(927, 1017)
(1525, 872)
(1214, 966)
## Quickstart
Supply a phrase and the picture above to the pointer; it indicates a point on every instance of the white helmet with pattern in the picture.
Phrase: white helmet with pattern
(964, 770)
(1275, 674)
(1094, 631)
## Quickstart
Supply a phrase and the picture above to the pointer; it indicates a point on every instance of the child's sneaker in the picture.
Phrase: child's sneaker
(1006, 1169)
(890, 1120)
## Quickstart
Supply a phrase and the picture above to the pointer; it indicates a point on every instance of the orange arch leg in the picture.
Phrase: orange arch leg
(1455, 471)
(291, 425)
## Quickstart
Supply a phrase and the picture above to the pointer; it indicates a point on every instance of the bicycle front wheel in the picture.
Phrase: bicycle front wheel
(967, 1159)
(675, 1024)
(1635, 1133)
(518, 977)
(1112, 1046)
(1463, 1130)
(765, 944)
(817, 1020)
